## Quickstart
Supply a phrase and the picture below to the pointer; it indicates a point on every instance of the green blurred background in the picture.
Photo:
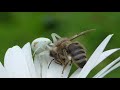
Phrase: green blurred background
(18, 28)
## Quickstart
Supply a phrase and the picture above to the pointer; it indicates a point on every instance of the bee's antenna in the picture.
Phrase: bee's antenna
(82, 33)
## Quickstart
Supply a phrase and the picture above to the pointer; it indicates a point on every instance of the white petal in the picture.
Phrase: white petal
(75, 74)
(37, 64)
(41, 64)
(105, 54)
(15, 63)
(106, 68)
(93, 59)
(44, 65)
(55, 71)
(28, 54)
(111, 69)
(3, 73)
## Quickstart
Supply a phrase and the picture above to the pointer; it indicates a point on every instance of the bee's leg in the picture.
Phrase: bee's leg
(62, 58)
(66, 58)
(55, 37)
(65, 54)
(71, 62)
(65, 67)
(50, 63)
(58, 62)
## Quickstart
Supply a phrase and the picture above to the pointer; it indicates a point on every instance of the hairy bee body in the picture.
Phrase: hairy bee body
(66, 51)
(73, 49)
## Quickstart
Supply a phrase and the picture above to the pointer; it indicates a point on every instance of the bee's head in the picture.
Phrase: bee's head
(41, 44)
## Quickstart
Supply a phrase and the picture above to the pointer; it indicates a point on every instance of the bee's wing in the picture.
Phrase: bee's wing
(55, 37)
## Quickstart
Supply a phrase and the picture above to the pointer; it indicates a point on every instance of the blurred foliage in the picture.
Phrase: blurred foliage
(18, 28)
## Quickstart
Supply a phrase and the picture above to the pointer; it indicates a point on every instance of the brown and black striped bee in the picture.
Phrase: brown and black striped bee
(65, 51)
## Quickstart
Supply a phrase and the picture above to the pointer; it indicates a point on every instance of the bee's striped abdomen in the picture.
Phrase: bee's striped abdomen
(78, 54)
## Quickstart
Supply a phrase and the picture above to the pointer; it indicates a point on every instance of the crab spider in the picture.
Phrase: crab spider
(42, 44)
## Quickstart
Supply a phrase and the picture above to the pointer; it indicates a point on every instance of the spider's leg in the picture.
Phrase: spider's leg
(36, 51)
(48, 47)
(55, 37)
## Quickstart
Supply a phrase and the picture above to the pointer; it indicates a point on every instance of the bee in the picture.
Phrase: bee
(65, 51)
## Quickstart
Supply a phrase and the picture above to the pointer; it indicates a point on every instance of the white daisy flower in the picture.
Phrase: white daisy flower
(18, 63)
